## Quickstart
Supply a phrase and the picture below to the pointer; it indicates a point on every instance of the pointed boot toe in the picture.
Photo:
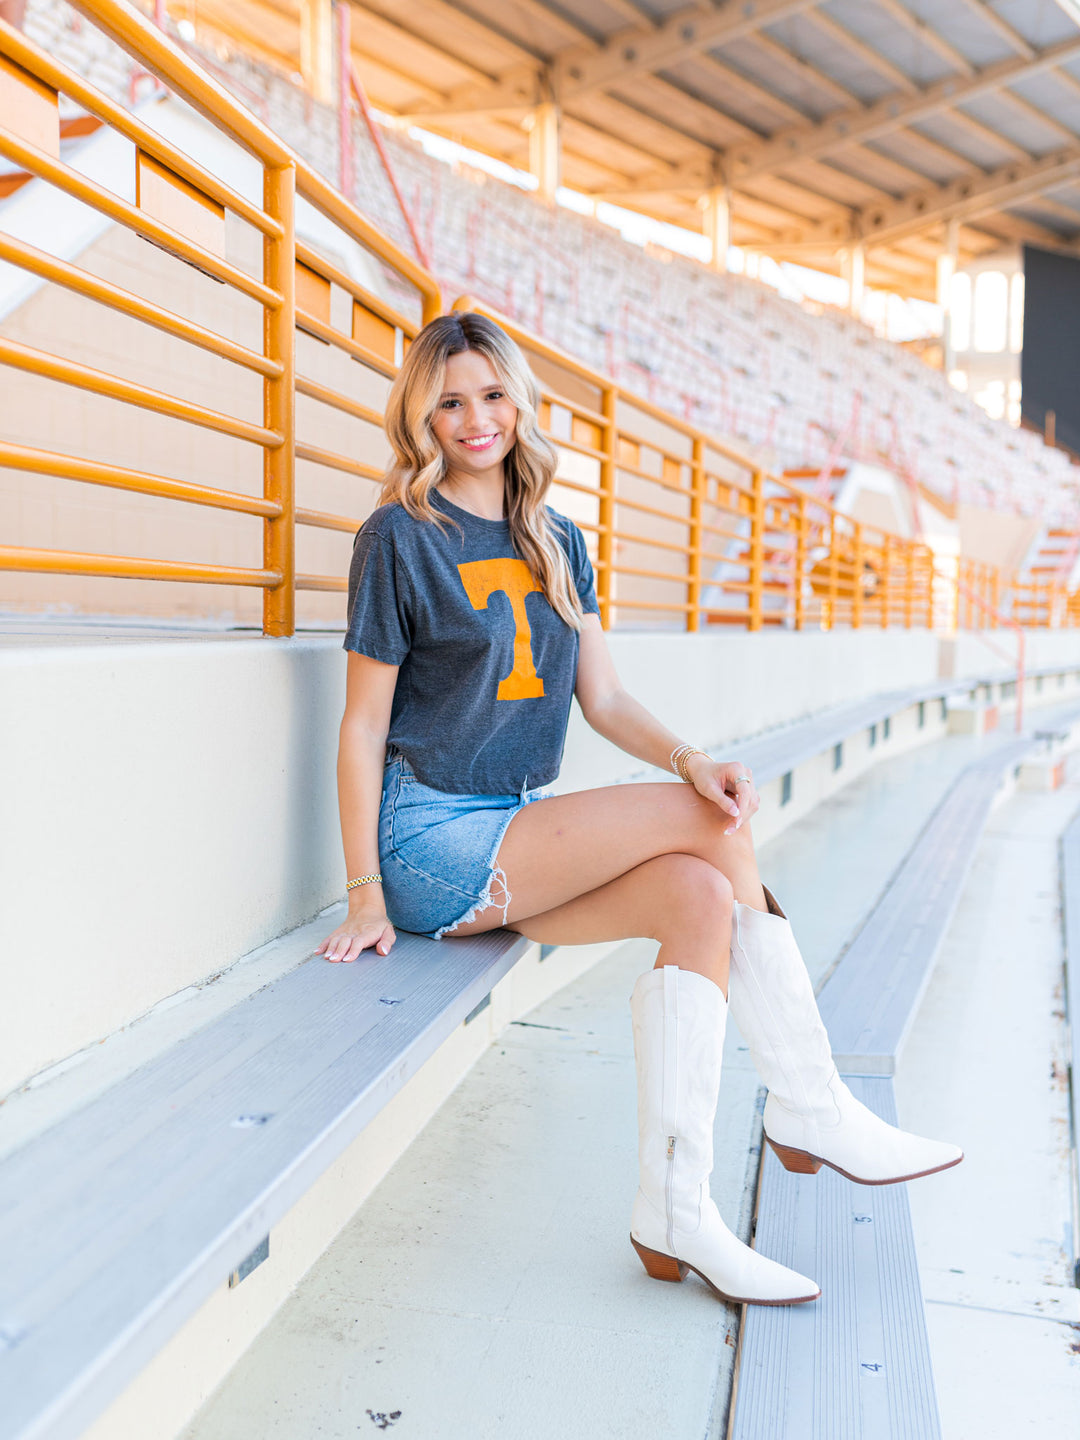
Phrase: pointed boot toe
(733, 1271)
(848, 1137)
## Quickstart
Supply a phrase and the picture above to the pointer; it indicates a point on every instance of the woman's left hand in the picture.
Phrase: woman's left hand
(728, 784)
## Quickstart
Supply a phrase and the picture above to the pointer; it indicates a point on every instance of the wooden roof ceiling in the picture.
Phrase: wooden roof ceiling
(830, 122)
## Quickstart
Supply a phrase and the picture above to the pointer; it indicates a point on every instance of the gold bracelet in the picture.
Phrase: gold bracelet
(363, 880)
(680, 756)
(677, 755)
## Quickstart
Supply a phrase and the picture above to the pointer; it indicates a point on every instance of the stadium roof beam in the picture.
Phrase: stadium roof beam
(866, 53)
(891, 113)
(737, 81)
(988, 136)
(1002, 28)
(1056, 207)
(806, 72)
(966, 199)
(1005, 229)
(929, 37)
(871, 57)
(580, 68)
(468, 26)
(1025, 107)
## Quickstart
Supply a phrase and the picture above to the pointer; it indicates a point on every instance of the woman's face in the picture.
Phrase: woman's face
(474, 421)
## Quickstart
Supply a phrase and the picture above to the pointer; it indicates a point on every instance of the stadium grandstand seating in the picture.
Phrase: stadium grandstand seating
(725, 352)
(809, 547)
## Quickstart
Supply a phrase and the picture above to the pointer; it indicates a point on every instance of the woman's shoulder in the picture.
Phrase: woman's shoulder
(393, 523)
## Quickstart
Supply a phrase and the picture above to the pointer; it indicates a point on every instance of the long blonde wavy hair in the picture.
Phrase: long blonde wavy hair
(529, 468)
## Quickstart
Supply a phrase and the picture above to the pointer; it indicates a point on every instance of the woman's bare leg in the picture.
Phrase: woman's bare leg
(682, 901)
(561, 855)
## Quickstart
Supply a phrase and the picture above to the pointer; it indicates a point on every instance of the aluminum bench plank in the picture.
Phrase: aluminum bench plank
(773, 753)
(856, 1362)
(776, 751)
(120, 1221)
(869, 1000)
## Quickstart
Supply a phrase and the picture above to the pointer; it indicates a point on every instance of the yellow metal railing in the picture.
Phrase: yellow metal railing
(176, 199)
(681, 524)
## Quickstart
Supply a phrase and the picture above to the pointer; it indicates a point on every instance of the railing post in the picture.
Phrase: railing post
(885, 594)
(279, 401)
(757, 549)
(606, 509)
(857, 578)
(697, 507)
(800, 563)
(346, 163)
(909, 584)
(834, 570)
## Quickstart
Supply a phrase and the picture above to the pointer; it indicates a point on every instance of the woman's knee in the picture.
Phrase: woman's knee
(690, 889)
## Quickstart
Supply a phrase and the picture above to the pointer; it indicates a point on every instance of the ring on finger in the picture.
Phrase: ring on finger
(743, 779)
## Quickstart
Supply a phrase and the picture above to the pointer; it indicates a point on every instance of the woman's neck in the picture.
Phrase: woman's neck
(482, 495)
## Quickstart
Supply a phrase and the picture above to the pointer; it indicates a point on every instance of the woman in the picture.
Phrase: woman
(472, 620)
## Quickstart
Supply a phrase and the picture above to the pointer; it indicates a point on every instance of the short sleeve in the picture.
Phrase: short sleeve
(380, 619)
(580, 565)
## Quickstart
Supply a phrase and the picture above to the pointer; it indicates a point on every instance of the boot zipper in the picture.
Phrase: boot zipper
(669, 1196)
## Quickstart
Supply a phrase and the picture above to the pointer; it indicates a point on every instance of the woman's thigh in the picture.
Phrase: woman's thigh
(557, 849)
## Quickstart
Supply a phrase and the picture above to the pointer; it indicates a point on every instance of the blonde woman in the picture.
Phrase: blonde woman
(472, 622)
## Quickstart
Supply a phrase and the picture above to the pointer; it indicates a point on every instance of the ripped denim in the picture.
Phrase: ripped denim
(438, 853)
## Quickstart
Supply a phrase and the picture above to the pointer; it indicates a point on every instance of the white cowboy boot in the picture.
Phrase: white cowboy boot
(811, 1117)
(679, 1019)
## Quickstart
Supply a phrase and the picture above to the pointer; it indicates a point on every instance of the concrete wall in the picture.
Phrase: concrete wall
(994, 652)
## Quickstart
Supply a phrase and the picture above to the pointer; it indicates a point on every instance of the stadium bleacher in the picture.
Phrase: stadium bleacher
(180, 1122)
(726, 352)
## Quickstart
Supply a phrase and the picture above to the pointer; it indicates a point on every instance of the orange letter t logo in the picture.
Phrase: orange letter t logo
(484, 578)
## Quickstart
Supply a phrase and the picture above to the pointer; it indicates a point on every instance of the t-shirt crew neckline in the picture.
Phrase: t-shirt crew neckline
(443, 503)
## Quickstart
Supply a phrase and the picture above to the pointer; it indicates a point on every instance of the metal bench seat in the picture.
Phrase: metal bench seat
(118, 1222)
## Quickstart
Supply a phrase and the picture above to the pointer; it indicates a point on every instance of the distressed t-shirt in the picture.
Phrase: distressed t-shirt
(487, 668)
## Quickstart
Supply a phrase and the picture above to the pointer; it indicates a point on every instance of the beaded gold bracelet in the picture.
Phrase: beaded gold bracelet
(363, 880)
(679, 756)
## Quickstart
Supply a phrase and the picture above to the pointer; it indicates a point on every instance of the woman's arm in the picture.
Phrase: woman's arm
(616, 715)
(369, 695)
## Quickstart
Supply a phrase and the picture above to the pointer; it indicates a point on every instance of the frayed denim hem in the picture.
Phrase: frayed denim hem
(486, 900)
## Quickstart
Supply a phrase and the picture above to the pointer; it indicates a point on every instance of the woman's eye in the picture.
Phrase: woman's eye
(495, 395)
(449, 404)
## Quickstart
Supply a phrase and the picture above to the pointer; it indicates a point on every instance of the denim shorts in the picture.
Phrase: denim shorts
(438, 853)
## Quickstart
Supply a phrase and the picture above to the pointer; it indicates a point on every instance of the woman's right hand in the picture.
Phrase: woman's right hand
(360, 930)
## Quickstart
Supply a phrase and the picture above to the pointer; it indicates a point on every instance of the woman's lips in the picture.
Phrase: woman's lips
(479, 442)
